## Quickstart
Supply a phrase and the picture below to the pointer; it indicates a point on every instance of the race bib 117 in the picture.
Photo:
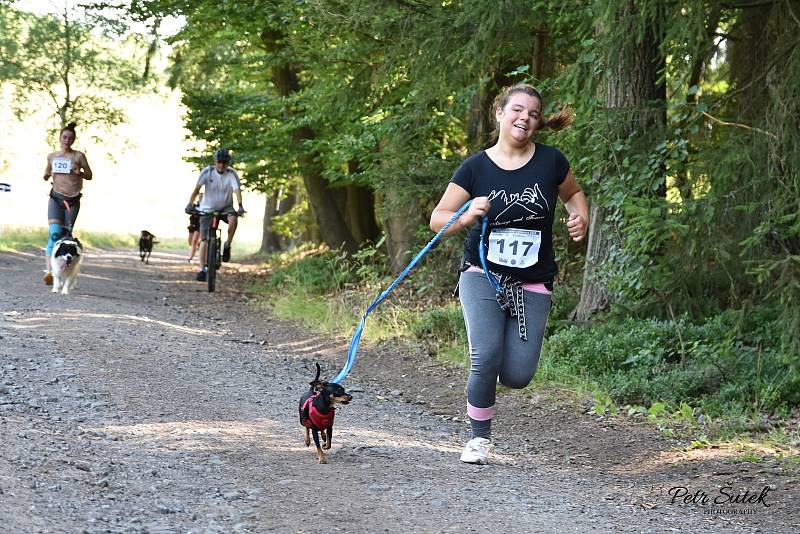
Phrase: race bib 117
(514, 247)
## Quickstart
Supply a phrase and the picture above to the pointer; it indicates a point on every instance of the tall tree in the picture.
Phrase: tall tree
(762, 126)
(60, 58)
(329, 219)
(633, 92)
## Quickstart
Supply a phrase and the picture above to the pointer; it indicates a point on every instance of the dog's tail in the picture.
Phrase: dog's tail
(316, 384)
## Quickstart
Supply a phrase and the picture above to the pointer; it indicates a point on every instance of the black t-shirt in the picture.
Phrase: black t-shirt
(523, 203)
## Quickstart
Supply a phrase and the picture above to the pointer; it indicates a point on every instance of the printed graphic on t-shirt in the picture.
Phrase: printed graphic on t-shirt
(531, 201)
(61, 166)
(514, 247)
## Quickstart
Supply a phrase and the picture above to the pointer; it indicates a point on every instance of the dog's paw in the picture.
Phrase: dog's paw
(307, 442)
(323, 460)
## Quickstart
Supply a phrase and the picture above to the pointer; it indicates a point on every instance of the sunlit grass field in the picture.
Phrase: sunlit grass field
(26, 238)
(19, 238)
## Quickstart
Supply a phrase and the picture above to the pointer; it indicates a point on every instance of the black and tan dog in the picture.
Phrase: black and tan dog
(317, 412)
(146, 242)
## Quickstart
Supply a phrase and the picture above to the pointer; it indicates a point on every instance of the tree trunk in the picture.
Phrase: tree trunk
(542, 61)
(699, 62)
(331, 225)
(277, 204)
(594, 293)
(749, 54)
(359, 210)
(633, 96)
(359, 214)
(480, 126)
(400, 223)
(270, 241)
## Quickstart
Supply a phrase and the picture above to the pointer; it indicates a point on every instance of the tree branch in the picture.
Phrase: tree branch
(738, 125)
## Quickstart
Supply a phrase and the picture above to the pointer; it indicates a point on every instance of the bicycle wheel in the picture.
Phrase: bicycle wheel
(211, 264)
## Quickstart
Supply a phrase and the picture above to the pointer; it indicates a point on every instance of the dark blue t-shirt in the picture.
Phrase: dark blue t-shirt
(523, 203)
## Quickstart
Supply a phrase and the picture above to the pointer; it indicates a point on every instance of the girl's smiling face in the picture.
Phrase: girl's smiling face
(520, 117)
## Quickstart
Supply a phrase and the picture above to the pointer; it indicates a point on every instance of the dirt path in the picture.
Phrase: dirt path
(143, 404)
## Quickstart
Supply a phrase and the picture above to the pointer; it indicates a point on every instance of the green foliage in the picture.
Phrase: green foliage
(442, 330)
(644, 362)
(699, 181)
(316, 274)
(564, 299)
(325, 272)
(369, 264)
(748, 456)
(329, 316)
(63, 63)
(604, 404)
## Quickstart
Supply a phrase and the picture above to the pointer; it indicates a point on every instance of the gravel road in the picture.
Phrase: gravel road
(140, 403)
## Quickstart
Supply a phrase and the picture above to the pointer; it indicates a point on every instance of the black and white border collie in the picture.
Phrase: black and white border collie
(65, 262)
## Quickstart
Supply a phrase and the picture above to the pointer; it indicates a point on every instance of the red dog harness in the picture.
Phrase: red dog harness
(315, 417)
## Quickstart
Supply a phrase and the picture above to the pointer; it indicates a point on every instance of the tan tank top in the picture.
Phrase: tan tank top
(67, 184)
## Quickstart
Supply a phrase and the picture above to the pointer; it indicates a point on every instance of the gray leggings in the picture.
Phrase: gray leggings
(495, 348)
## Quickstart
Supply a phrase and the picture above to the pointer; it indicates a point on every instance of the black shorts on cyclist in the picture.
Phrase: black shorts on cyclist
(205, 220)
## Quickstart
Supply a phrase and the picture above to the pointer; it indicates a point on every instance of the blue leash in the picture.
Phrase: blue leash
(356, 339)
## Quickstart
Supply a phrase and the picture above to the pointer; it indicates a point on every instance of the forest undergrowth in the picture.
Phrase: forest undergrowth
(723, 379)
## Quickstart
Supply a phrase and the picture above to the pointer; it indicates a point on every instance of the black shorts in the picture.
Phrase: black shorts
(205, 221)
(63, 209)
(194, 224)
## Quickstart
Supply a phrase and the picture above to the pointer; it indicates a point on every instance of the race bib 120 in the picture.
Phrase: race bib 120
(514, 247)
(61, 166)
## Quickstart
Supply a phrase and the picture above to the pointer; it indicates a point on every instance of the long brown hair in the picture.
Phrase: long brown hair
(557, 121)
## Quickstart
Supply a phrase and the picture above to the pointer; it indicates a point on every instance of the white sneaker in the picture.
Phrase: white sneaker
(475, 451)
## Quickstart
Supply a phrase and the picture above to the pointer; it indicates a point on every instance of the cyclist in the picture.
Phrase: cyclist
(194, 230)
(219, 183)
(68, 168)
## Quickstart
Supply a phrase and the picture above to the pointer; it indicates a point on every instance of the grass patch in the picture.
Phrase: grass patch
(641, 362)
(328, 292)
(22, 238)
(749, 457)
(792, 464)
(313, 312)
(339, 315)
(15, 238)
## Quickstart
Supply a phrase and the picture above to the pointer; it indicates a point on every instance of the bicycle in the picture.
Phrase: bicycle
(213, 245)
